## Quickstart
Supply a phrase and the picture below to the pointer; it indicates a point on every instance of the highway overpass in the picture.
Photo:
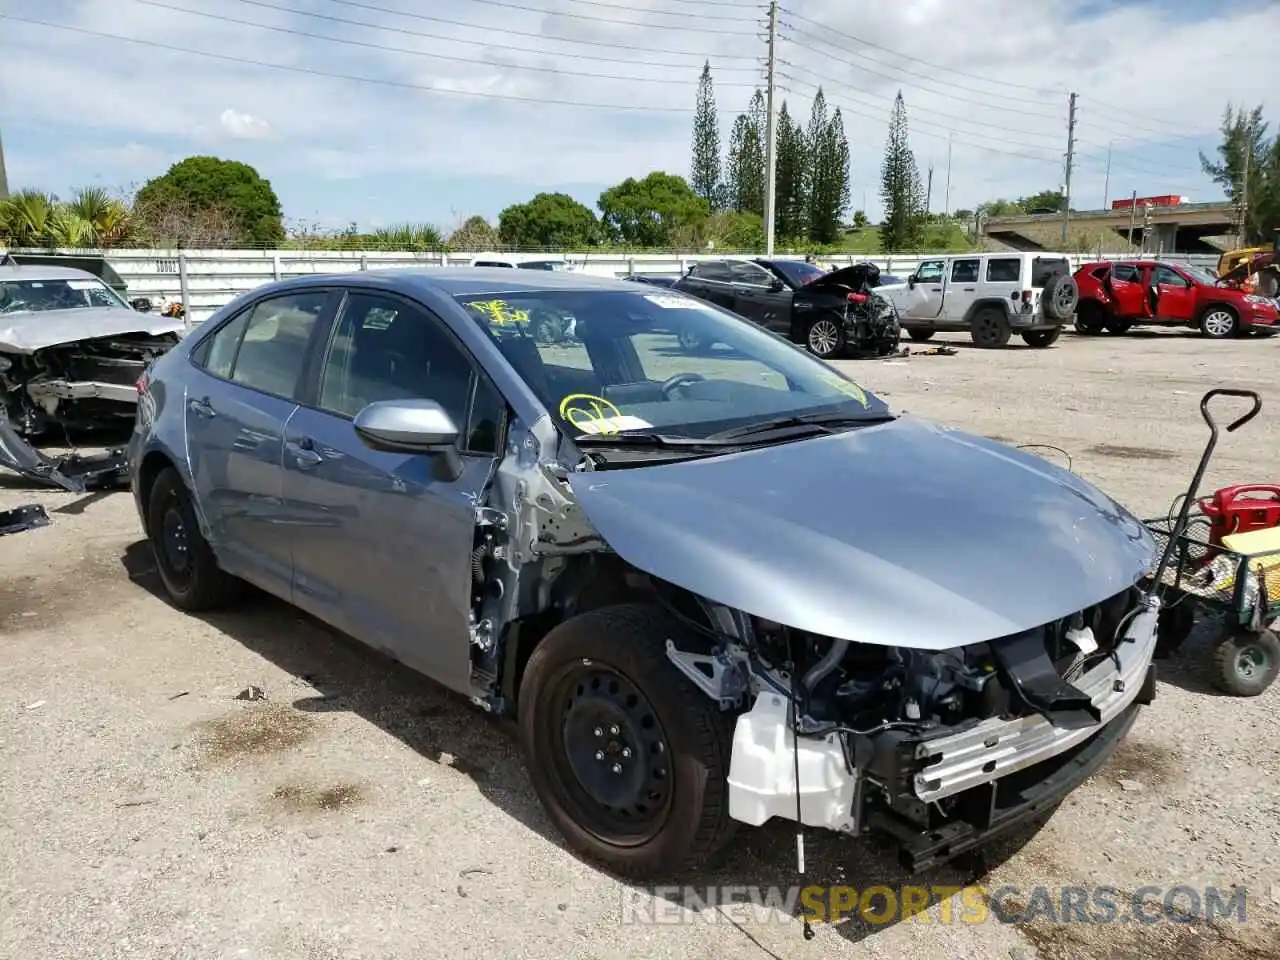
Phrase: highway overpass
(1186, 228)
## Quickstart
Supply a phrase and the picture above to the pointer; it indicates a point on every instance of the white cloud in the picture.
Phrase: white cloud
(1153, 81)
(243, 126)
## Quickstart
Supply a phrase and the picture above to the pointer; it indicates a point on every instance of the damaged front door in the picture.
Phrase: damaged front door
(381, 541)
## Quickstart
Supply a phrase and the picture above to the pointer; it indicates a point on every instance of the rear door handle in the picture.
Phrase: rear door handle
(303, 453)
(969, 289)
(202, 408)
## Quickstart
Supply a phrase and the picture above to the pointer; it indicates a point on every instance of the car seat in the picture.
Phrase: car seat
(522, 353)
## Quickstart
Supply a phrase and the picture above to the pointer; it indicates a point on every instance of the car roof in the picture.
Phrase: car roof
(467, 281)
(39, 272)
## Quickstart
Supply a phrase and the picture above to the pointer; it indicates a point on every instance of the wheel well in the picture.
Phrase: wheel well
(988, 303)
(1092, 308)
(153, 464)
(603, 581)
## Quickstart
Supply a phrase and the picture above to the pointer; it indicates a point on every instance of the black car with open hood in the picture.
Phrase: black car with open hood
(839, 312)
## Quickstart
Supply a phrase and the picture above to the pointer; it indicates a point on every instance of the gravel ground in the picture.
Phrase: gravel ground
(359, 811)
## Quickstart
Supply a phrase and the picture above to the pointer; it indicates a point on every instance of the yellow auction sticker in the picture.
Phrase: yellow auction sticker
(589, 413)
(847, 387)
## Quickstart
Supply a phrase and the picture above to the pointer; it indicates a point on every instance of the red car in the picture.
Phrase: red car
(1116, 295)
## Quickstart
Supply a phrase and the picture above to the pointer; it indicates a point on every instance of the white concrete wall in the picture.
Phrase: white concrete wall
(214, 277)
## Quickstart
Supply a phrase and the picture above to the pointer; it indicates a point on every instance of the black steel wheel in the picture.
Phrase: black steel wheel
(629, 759)
(185, 563)
(991, 328)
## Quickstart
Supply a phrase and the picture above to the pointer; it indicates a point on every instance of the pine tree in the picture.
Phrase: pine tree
(829, 191)
(818, 157)
(746, 159)
(705, 172)
(791, 179)
(900, 190)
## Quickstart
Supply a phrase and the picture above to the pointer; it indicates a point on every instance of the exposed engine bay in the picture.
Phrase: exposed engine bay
(81, 385)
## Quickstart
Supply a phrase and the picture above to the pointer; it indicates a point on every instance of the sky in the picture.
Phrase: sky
(388, 111)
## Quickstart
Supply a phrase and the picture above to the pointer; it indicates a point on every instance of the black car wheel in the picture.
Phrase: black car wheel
(1090, 318)
(825, 338)
(628, 757)
(991, 328)
(187, 567)
(1118, 327)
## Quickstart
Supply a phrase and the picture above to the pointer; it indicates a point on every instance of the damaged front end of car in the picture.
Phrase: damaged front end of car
(843, 307)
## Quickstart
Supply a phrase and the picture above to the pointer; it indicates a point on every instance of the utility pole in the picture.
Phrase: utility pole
(4, 177)
(1133, 214)
(947, 201)
(1106, 187)
(1071, 148)
(1244, 196)
(928, 192)
(770, 136)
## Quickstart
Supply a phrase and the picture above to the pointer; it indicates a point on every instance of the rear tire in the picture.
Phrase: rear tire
(991, 328)
(188, 570)
(1089, 319)
(920, 336)
(1041, 338)
(1219, 323)
(1118, 327)
(599, 699)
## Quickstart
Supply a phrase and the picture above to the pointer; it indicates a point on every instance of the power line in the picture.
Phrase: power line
(508, 5)
(669, 13)
(845, 86)
(1039, 115)
(701, 3)
(399, 84)
(374, 8)
(867, 43)
(418, 53)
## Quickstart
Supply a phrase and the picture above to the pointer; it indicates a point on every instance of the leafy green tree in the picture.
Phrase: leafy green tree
(746, 172)
(962, 214)
(202, 183)
(1046, 201)
(791, 180)
(1244, 147)
(1000, 208)
(900, 189)
(705, 170)
(859, 219)
(474, 233)
(648, 212)
(548, 220)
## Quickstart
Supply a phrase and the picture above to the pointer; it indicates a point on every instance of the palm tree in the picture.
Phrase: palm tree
(24, 217)
(107, 216)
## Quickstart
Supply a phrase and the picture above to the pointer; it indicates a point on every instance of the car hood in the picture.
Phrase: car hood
(903, 534)
(853, 276)
(29, 332)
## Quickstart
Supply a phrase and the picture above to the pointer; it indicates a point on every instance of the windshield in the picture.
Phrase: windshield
(797, 271)
(605, 362)
(1199, 275)
(34, 296)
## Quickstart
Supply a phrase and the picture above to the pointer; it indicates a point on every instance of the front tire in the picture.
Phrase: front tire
(188, 570)
(1219, 323)
(1042, 338)
(824, 338)
(991, 328)
(630, 760)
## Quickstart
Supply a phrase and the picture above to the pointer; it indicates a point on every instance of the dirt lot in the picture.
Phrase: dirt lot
(359, 811)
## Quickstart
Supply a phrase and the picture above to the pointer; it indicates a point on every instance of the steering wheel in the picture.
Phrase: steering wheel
(678, 380)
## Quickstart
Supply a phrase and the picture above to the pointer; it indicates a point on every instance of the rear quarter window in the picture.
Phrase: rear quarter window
(1004, 270)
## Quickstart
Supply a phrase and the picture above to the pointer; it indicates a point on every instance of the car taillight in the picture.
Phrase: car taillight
(1026, 296)
(142, 384)
(857, 298)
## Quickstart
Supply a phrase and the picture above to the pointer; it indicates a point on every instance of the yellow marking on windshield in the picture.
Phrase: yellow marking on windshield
(847, 387)
(589, 413)
(499, 312)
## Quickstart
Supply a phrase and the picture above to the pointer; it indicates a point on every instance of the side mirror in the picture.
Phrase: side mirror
(776, 286)
(911, 281)
(141, 304)
(412, 426)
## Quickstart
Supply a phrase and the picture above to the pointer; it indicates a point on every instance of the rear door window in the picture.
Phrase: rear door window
(964, 271)
(716, 270)
(1042, 268)
(1126, 273)
(265, 347)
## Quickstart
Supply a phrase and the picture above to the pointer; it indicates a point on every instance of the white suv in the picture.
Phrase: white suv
(505, 260)
(991, 295)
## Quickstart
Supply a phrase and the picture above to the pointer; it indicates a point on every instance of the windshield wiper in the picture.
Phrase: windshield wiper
(638, 438)
(816, 422)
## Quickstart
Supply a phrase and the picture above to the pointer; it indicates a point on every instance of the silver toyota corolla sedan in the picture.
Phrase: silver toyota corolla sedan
(693, 581)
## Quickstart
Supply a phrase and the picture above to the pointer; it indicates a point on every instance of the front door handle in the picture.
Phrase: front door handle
(202, 408)
(969, 289)
(303, 453)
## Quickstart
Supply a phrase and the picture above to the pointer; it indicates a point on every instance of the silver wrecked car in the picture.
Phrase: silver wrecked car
(694, 581)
